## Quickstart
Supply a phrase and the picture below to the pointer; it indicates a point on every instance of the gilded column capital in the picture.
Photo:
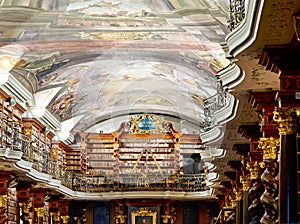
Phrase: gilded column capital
(287, 119)
(254, 169)
(238, 194)
(269, 147)
(40, 212)
(230, 202)
(65, 219)
(245, 180)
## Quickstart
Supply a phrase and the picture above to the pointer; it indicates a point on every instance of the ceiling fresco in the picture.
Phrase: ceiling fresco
(96, 60)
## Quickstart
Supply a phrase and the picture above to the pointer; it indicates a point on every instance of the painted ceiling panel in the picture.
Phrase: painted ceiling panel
(109, 58)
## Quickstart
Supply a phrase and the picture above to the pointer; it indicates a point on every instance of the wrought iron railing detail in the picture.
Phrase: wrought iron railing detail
(180, 182)
(237, 13)
(12, 138)
(213, 104)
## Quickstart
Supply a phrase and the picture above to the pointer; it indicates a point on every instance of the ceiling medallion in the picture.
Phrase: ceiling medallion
(147, 124)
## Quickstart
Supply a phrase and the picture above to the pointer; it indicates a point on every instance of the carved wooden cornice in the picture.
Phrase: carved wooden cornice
(263, 99)
(235, 164)
(231, 175)
(250, 131)
(256, 156)
(241, 149)
(265, 102)
(284, 60)
(288, 99)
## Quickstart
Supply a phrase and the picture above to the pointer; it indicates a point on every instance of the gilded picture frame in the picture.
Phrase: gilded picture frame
(143, 216)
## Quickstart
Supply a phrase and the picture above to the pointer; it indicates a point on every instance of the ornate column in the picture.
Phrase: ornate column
(24, 200)
(237, 189)
(4, 179)
(288, 122)
(169, 215)
(256, 209)
(54, 209)
(3, 208)
(239, 205)
(64, 210)
(243, 150)
(227, 203)
(253, 132)
(245, 180)
(269, 147)
(38, 196)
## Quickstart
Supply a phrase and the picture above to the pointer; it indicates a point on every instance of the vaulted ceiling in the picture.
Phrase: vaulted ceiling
(90, 61)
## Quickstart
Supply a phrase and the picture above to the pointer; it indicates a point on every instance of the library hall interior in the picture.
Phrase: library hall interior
(149, 111)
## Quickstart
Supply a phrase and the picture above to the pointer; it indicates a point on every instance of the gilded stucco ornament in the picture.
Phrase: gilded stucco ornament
(287, 119)
(231, 202)
(147, 124)
(238, 194)
(3, 201)
(254, 168)
(65, 219)
(269, 147)
(40, 212)
(245, 180)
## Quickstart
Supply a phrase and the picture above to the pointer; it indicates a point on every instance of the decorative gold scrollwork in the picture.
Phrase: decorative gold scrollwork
(287, 119)
(157, 122)
(269, 147)
(255, 170)
(3, 201)
(40, 211)
(238, 194)
(245, 180)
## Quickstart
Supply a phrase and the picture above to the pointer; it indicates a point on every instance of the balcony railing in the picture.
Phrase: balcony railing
(213, 104)
(179, 182)
(43, 163)
(237, 13)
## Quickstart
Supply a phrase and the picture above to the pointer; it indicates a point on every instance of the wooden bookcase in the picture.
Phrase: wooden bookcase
(40, 139)
(76, 159)
(129, 154)
(10, 122)
(58, 160)
(154, 153)
(99, 151)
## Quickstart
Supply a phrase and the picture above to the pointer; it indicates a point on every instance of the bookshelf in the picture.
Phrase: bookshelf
(136, 152)
(10, 122)
(40, 139)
